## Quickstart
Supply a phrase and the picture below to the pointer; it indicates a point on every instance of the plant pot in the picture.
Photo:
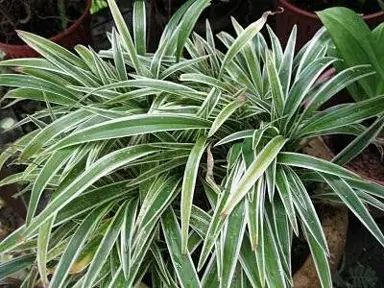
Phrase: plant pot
(307, 22)
(77, 33)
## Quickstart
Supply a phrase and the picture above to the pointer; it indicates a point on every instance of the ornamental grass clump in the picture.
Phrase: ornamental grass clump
(183, 167)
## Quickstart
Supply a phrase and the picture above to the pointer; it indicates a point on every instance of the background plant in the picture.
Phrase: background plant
(356, 44)
(184, 165)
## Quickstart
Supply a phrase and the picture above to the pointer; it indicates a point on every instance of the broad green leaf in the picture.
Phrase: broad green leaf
(253, 173)
(355, 43)
(188, 188)
(182, 262)
(132, 125)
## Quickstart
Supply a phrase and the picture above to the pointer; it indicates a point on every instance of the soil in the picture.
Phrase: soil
(38, 16)
(365, 7)
(369, 163)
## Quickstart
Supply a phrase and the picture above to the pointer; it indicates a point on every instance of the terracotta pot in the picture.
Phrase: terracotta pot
(307, 22)
(77, 33)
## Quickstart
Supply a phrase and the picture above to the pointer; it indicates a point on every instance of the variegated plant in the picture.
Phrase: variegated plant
(183, 166)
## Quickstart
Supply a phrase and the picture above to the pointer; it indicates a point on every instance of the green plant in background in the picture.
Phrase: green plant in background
(97, 5)
(186, 169)
(356, 44)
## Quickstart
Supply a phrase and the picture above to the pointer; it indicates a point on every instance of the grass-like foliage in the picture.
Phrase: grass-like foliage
(184, 165)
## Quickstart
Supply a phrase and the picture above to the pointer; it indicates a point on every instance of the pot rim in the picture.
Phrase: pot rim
(62, 33)
(288, 5)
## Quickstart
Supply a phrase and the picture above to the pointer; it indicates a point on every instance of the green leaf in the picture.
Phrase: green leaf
(15, 265)
(253, 173)
(231, 242)
(305, 209)
(125, 35)
(360, 143)
(51, 167)
(105, 247)
(139, 26)
(182, 262)
(75, 246)
(40, 44)
(187, 24)
(132, 125)
(225, 114)
(126, 240)
(249, 264)
(336, 84)
(188, 188)
(236, 136)
(273, 264)
(286, 196)
(100, 168)
(42, 248)
(286, 67)
(356, 45)
(320, 259)
(278, 96)
(314, 164)
(54, 129)
(354, 203)
(243, 39)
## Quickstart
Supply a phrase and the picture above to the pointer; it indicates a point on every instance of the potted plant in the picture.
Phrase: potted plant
(65, 22)
(302, 14)
(184, 167)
